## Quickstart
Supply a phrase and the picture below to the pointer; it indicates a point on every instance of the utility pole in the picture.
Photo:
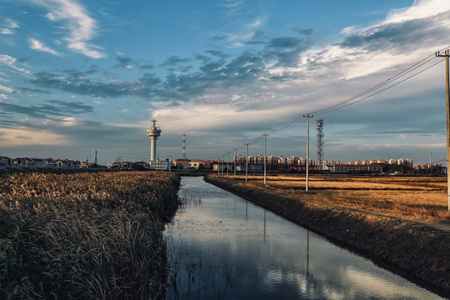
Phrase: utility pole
(431, 158)
(223, 160)
(234, 162)
(246, 164)
(184, 146)
(265, 155)
(446, 55)
(307, 151)
(218, 167)
(228, 160)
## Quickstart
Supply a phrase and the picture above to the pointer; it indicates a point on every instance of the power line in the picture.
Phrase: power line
(389, 83)
(373, 91)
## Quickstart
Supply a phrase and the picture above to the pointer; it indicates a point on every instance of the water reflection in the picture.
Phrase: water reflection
(225, 251)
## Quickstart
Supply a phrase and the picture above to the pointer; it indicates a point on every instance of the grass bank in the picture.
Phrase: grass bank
(85, 235)
(418, 250)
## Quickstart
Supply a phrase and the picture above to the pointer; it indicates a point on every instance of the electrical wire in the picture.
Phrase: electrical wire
(369, 93)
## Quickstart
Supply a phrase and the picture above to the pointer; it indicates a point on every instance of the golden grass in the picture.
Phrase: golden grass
(419, 198)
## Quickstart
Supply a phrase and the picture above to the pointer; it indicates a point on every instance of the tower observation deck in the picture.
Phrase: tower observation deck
(153, 133)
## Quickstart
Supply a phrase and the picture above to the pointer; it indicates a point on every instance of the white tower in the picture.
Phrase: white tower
(153, 133)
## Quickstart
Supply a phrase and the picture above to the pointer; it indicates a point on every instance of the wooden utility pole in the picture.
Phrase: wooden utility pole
(307, 151)
(446, 55)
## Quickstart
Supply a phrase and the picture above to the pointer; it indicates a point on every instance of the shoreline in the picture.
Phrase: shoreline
(414, 250)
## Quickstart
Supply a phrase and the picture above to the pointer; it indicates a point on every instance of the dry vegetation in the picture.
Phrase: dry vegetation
(419, 198)
(84, 236)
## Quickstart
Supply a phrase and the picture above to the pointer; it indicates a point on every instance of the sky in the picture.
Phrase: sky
(80, 76)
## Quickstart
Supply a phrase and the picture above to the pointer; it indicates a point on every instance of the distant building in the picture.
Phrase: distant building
(181, 164)
(5, 161)
(360, 168)
(160, 165)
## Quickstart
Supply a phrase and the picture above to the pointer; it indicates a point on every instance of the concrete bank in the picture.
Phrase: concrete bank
(417, 251)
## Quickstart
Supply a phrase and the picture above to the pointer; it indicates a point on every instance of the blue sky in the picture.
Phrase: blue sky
(79, 76)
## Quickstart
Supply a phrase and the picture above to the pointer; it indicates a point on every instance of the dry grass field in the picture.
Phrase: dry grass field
(419, 198)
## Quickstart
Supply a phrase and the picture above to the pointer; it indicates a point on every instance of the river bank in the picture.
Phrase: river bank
(418, 251)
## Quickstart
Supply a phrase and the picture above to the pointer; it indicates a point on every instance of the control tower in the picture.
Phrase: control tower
(153, 133)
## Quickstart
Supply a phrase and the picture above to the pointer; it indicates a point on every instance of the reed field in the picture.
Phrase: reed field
(84, 235)
(419, 198)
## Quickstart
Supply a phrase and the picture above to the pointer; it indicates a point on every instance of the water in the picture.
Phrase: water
(223, 247)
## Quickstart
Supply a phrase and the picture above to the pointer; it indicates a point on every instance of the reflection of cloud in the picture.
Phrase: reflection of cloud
(366, 285)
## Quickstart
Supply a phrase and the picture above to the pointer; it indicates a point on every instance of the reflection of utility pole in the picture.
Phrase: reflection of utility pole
(307, 252)
(307, 151)
(264, 224)
(446, 55)
(246, 210)
(265, 155)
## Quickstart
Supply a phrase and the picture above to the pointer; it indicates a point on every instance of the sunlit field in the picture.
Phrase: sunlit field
(86, 235)
(418, 198)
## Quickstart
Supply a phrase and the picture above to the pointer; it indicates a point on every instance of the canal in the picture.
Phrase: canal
(221, 246)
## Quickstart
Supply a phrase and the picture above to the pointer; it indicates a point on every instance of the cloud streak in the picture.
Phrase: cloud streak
(39, 46)
(82, 28)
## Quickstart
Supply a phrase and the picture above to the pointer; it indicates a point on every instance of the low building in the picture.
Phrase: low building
(5, 161)
(181, 164)
(221, 167)
(160, 165)
(194, 165)
(251, 168)
(360, 168)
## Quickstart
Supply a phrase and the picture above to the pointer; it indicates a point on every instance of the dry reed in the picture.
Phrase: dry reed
(84, 236)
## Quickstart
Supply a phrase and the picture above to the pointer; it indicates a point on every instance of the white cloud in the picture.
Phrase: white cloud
(82, 28)
(9, 25)
(256, 23)
(12, 24)
(16, 137)
(6, 31)
(39, 46)
(420, 9)
(233, 4)
(6, 89)
(12, 63)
